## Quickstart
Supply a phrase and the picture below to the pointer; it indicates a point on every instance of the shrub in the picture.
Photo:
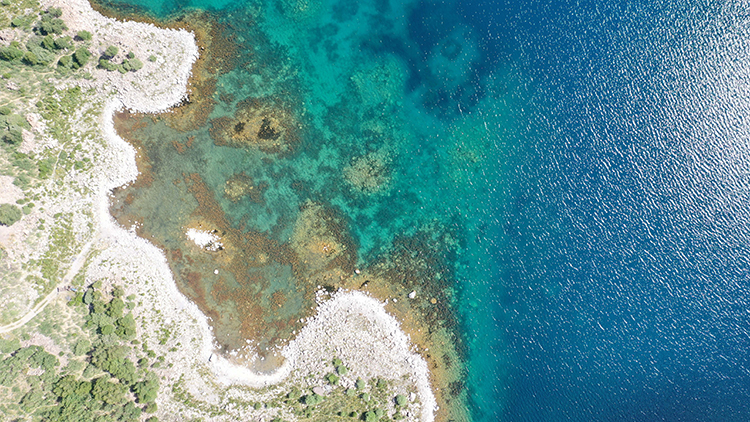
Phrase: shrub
(65, 61)
(294, 394)
(130, 55)
(342, 370)
(111, 51)
(5, 110)
(312, 399)
(136, 65)
(55, 12)
(48, 42)
(83, 36)
(63, 43)
(332, 378)
(81, 57)
(50, 25)
(400, 400)
(371, 416)
(30, 58)
(359, 384)
(10, 53)
(9, 346)
(152, 58)
(9, 214)
(366, 397)
(43, 56)
(107, 65)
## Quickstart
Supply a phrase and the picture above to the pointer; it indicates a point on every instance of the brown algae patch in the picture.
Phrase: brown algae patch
(257, 123)
(321, 242)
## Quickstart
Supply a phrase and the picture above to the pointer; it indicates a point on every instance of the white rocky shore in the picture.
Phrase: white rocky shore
(350, 325)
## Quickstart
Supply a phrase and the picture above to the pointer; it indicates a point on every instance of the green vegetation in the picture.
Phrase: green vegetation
(63, 43)
(107, 65)
(133, 64)
(110, 52)
(81, 57)
(65, 61)
(99, 382)
(10, 53)
(83, 36)
(332, 379)
(51, 23)
(400, 400)
(9, 214)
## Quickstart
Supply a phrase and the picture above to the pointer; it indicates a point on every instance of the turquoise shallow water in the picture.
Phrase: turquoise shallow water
(592, 156)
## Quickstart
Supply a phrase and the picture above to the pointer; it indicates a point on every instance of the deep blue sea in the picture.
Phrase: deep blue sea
(596, 156)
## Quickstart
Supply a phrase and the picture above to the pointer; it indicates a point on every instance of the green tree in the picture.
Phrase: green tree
(146, 390)
(113, 359)
(9, 214)
(371, 416)
(108, 392)
(116, 307)
(126, 327)
(88, 297)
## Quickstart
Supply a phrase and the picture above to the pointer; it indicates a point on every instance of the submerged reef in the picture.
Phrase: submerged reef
(240, 185)
(261, 124)
(369, 174)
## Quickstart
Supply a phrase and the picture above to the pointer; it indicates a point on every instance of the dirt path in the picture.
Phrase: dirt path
(77, 264)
